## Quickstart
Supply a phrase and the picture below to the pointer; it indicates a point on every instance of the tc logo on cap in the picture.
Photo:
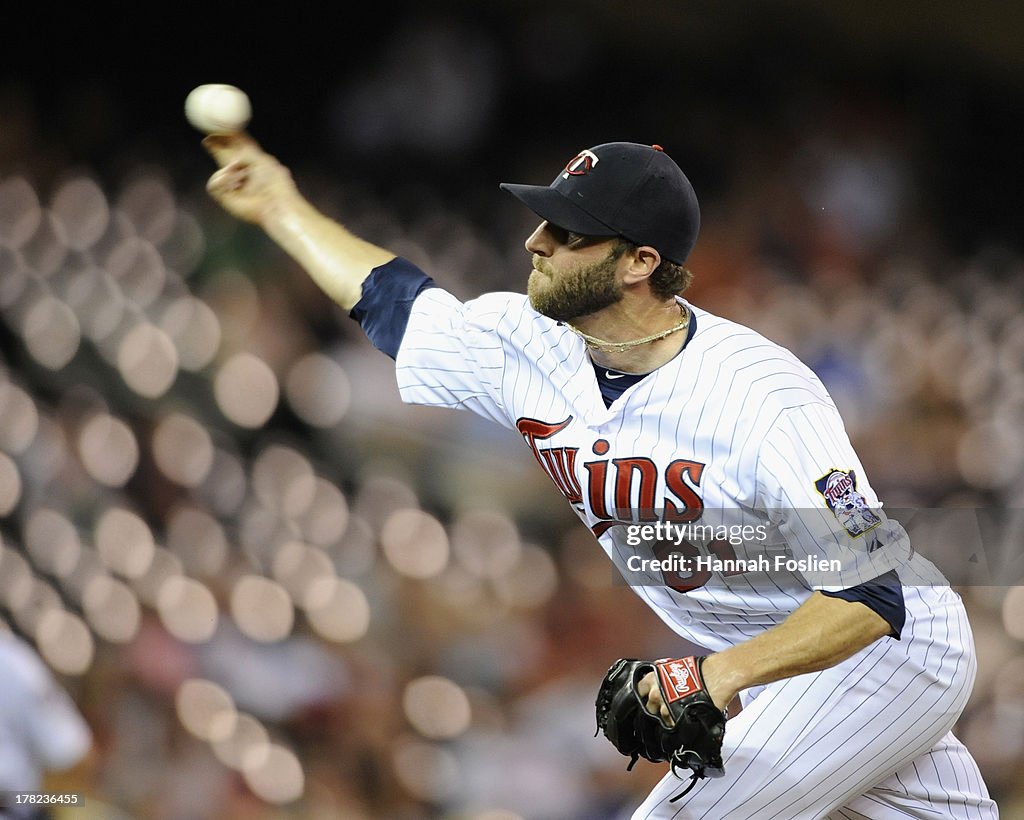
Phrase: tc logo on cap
(580, 164)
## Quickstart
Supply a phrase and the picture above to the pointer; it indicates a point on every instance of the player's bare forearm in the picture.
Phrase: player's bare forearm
(336, 259)
(822, 632)
(253, 186)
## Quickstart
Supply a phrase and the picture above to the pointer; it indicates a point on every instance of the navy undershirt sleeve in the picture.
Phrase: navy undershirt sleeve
(386, 302)
(883, 594)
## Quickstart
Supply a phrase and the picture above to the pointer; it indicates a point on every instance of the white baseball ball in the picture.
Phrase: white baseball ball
(218, 108)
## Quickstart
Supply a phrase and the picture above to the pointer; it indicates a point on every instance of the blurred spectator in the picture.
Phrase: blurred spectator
(41, 729)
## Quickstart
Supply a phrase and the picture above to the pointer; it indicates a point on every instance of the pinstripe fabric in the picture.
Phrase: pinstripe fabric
(733, 427)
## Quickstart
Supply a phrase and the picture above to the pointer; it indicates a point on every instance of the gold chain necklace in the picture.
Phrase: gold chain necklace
(617, 347)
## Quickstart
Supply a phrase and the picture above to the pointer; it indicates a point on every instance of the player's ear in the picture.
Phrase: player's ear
(643, 261)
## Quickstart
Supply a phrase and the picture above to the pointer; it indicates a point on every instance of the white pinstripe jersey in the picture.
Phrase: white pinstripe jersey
(735, 426)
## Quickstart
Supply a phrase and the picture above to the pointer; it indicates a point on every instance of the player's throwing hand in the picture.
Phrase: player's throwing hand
(251, 184)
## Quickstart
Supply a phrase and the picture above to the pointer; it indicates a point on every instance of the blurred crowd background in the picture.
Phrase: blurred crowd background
(274, 591)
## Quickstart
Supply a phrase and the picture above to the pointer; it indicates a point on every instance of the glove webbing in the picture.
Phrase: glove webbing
(697, 772)
(693, 782)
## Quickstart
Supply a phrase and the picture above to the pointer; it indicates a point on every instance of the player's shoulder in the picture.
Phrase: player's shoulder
(492, 302)
(486, 312)
(499, 301)
(726, 338)
(752, 359)
(715, 325)
(496, 321)
(506, 313)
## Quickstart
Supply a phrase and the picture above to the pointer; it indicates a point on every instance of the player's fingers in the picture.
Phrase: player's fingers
(229, 178)
(652, 699)
(227, 148)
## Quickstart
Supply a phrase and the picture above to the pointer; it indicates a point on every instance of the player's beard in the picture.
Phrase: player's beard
(578, 291)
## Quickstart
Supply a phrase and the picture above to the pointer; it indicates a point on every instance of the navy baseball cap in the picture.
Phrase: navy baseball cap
(620, 189)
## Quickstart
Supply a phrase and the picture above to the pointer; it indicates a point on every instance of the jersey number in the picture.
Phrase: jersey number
(721, 550)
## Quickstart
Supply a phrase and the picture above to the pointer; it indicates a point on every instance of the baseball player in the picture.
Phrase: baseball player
(644, 409)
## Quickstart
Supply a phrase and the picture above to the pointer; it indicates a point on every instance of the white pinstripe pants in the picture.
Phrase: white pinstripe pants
(868, 738)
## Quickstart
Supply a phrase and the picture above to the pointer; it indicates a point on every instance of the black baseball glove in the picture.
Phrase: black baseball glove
(693, 740)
